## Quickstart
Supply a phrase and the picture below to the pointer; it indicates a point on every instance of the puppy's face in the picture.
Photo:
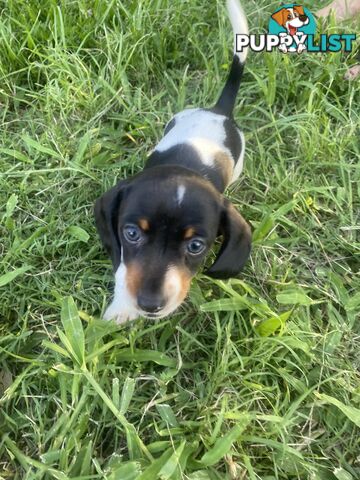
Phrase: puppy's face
(291, 18)
(158, 228)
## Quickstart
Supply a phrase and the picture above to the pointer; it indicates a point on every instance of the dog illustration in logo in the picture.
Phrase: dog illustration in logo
(291, 19)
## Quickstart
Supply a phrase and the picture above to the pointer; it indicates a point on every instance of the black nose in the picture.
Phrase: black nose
(150, 303)
(303, 18)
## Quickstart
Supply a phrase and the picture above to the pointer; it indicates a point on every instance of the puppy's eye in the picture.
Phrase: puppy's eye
(132, 233)
(195, 246)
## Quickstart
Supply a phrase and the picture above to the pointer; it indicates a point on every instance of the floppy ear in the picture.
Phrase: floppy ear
(106, 211)
(236, 246)
(279, 17)
(299, 9)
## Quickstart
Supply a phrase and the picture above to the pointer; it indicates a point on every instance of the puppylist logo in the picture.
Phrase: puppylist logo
(292, 29)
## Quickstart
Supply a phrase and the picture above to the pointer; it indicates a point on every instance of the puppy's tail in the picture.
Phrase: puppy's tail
(226, 102)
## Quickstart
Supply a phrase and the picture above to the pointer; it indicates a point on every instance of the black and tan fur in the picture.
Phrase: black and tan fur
(158, 226)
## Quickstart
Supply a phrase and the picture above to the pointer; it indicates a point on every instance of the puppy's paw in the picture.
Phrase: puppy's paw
(301, 48)
(120, 316)
(283, 48)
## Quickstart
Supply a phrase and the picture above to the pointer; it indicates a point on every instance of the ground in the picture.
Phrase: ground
(253, 378)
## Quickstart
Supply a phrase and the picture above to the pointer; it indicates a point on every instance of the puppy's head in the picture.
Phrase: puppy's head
(159, 226)
(294, 17)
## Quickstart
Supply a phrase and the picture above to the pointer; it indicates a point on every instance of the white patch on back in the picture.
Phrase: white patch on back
(205, 132)
(180, 194)
(123, 306)
(201, 129)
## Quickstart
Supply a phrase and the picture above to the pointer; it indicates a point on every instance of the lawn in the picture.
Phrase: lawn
(253, 378)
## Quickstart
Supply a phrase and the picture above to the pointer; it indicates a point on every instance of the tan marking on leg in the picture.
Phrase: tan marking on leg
(226, 166)
(144, 224)
(133, 278)
(189, 232)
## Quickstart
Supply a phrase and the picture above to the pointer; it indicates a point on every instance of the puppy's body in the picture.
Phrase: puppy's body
(204, 141)
(158, 226)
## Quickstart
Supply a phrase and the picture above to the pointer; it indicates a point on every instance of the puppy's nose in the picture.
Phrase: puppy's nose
(303, 18)
(150, 303)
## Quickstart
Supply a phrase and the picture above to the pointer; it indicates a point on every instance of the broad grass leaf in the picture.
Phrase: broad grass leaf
(132, 441)
(127, 394)
(172, 464)
(199, 475)
(342, 474)
(280, 447)
(332, 341)
(82, 465)
(223, 445)
(56, 348)
(337, 284)
(151, 473)
(353, 304)
(10, 276)
(83, 144)
(78, 233)
(352, 413)
(30, 142)
(190, 448)
(67, 344)
(225, 305)
(29, 241)
(167, 414)
(294, 296)
(73, 328)
(15, 154)
(129, 355)
(271, 325)
(265, 226)
(127, 471)
(11, 205)
(159, 446)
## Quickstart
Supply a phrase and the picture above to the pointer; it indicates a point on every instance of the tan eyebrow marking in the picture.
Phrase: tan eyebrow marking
(189, 232)
(144, 224)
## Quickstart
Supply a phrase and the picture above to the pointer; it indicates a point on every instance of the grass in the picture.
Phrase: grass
(253, 378)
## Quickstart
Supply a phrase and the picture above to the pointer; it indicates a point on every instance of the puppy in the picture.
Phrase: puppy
(292, 19)
(159, 225)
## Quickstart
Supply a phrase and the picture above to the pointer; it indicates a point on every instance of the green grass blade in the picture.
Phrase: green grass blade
(223, 445)
(352, 413)
(10, 276)
(127, 394)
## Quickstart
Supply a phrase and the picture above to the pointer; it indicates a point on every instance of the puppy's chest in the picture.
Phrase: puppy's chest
(203, 141)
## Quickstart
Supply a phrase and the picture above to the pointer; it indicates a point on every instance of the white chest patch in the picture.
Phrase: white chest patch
(180, 194)
(122, 308)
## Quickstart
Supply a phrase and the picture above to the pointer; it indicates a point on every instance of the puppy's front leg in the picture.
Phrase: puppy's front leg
(122, 308)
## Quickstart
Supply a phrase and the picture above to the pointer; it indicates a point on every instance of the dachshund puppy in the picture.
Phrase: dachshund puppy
(159, 225)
